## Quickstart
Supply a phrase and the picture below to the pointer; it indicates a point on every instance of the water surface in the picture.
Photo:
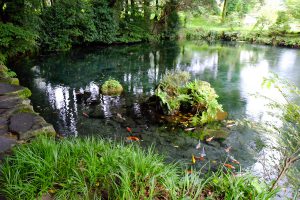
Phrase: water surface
(235, 70)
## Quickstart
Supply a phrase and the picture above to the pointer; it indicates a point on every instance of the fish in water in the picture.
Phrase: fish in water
(230, 125)
(198, 145)
(210, 139)
(203, 154)
(199, 158)
(132, 138)
(129, 129)
(232, 159)
(120, 116)
(228, 149)
(189, 129)
(229, 166)
(85, 114)
(193, 159)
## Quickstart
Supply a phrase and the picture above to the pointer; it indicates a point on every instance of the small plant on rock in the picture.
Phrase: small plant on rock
(196, 98)
(111, 87)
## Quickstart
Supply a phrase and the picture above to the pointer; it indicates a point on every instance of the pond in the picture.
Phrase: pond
(235, 70)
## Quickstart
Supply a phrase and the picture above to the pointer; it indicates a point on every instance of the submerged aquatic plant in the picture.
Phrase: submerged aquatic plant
(178, 94)
(111, 87)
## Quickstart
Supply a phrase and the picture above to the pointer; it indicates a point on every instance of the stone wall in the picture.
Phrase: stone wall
(18, 121)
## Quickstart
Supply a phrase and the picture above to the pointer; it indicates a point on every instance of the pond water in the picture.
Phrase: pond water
(235, 70)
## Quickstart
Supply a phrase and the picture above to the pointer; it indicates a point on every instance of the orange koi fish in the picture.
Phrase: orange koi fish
(235, 161)
(229, 166)
(132, 138)
(199, 158)
(232, 159)
(129, 129)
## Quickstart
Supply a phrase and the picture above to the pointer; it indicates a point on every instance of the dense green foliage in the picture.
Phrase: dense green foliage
(96, 169)
(69, 23)
(197, 97)
(59, 25)
(15, 40)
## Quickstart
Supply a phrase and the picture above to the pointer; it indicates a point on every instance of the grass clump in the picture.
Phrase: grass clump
(111, 87)
(98, 169)
(197, 97)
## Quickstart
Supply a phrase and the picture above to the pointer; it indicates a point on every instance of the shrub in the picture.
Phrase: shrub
(15, 40)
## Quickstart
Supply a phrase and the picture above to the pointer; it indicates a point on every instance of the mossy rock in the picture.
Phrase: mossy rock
(176, 94)
(3, 68)
(221, 115)
(111, 87)
(221, 133)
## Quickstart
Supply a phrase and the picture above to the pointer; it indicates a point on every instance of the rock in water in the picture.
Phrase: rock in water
(222, 115)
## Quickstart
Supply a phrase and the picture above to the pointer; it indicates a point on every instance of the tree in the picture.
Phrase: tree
(293, 7)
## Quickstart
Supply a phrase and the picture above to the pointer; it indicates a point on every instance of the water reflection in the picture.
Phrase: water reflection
(234, 70)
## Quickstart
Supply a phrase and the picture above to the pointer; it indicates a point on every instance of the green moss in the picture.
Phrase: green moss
(14, 81)
(24, 109)
(25, 93)
(112, 87)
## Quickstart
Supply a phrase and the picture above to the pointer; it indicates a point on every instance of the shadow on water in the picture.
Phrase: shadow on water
(235, 70)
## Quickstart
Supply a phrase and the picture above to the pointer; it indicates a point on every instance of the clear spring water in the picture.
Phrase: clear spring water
(235, 70)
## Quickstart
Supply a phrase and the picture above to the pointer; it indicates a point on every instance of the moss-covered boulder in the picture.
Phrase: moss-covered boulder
(111, 87)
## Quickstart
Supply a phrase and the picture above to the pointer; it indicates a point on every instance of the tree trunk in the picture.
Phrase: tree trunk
(146, 6)
(132, 10)
(126, 9)
(156, 10)
(224, 10)
(1, 10)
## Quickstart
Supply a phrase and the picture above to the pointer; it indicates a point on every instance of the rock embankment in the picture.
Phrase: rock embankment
(18, 121)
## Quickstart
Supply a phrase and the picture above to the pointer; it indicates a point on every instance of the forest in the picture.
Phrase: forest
(28, 26)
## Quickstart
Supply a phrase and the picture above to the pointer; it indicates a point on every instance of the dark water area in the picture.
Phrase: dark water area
(235, 70)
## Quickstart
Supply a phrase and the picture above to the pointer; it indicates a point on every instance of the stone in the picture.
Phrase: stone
(8, 89)
(28, 125)
(221, 115)
(3, 126)
(6, 144)
(10, 103)
(21, 122)
(217, 133)
(46, 129)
